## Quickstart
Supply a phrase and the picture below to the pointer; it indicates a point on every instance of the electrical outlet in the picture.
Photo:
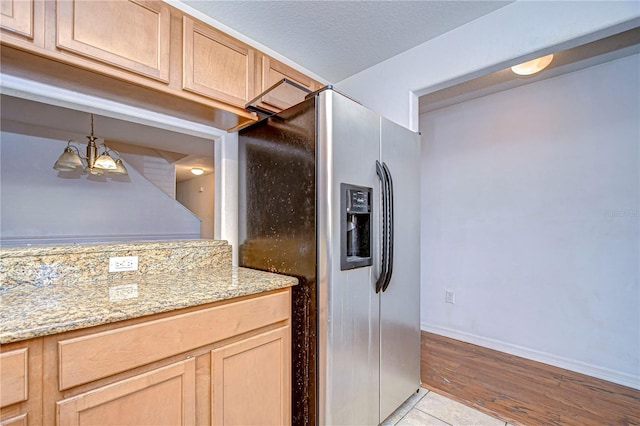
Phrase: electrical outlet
(450, 296)
(123, 264)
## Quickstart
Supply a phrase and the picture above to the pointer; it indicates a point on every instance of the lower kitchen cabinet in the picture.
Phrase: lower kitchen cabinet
(246, 395)
(163, 396)
(222, 363)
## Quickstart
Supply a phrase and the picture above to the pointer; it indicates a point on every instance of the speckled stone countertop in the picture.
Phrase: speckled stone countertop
(49, 264)
(30, 311)
(51, 289)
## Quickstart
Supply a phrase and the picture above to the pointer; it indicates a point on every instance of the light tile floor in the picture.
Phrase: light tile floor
(429, 408)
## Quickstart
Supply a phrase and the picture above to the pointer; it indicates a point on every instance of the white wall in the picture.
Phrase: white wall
(38, 206)
(156, 169)
(226, 189)
(517, 32)
(197, 195)
(531, 214)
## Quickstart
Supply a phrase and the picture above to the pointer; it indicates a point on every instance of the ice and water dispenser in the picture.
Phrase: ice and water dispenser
(355, 226)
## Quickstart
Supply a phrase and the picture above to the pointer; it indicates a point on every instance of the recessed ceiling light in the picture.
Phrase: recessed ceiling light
(197, 171)
(532, 67)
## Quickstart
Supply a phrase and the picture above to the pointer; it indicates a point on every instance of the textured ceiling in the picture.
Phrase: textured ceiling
(336, 39)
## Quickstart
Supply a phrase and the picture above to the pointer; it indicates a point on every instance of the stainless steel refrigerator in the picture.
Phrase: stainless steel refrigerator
(329, 193)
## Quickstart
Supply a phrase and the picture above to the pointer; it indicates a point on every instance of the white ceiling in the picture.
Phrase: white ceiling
(337, 39)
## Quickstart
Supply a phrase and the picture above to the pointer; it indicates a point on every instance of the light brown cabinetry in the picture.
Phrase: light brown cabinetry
(194, 366)
(163, 396)
(128, 51)
(20, 383)
(133, 35)
(217, 65)
(141, 52)
(17, 16)
(236, 392)
(22, 21)
(14, 376)
(274, 71)
(20, 420)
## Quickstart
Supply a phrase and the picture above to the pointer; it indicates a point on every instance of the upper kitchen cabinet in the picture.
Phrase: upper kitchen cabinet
(133, 35)
(21, 21)
(17, 17)
(144, 53)
(274, 71)
(217, 65)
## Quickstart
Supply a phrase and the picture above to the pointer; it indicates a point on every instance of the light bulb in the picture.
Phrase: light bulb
(532, 67)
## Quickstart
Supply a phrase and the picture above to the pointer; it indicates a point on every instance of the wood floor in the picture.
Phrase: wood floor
(521, 391)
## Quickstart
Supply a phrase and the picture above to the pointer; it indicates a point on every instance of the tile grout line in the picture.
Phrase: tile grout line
(429, 391)
(431, 415)
(413, 406)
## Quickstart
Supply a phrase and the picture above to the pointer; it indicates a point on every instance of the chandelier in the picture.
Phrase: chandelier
(71, 159)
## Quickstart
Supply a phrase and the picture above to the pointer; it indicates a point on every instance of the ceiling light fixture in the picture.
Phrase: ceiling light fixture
(197, 171)
(71, 159)
(532, 67)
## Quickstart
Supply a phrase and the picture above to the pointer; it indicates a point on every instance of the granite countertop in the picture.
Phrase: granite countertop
(29, 311)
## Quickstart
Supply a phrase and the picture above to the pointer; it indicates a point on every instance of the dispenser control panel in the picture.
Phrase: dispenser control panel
(358, 201)
(355, 226)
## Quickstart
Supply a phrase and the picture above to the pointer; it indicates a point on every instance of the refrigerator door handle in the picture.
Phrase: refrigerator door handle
(384, 190)
(390, 229)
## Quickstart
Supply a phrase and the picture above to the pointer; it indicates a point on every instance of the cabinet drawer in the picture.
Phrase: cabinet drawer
(13, 376)
(92, 357)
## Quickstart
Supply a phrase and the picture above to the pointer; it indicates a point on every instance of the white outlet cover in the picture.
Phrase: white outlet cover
(450, 296)
(123, 263)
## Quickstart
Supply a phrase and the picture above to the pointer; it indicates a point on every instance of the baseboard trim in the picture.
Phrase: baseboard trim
(539, 356)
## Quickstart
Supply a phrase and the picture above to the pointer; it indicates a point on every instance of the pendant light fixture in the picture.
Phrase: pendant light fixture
(71, 159)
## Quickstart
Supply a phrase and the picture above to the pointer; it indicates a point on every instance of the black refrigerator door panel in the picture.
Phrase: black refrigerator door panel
(277, 222)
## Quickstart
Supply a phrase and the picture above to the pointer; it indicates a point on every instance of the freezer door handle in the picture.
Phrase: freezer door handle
(384, 217)
(390, 229)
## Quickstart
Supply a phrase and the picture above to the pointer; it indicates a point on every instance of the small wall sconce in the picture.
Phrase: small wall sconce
(197, 171)
(71, 159)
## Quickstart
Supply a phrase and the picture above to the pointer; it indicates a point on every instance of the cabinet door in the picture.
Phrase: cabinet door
(251, 380)
(132, 34)
(165, 396)
(21, 383)
(20, 420)
(216, 65)
(16, 16)
(274, 71)
(13, 376)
